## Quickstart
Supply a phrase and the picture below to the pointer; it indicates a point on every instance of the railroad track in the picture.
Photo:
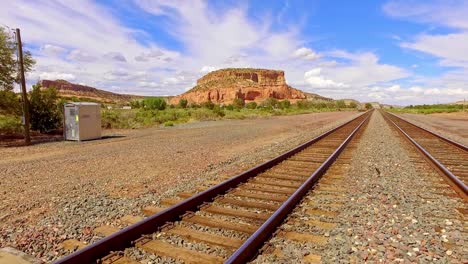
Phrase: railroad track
(232, 219)
(448, 157)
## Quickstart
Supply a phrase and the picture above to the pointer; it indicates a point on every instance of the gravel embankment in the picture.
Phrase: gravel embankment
(58, 191)
(392, 211)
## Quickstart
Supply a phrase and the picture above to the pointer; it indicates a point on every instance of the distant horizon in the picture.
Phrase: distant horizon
(392, 51)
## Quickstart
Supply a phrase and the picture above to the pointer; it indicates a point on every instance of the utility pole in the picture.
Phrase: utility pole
(27, 137)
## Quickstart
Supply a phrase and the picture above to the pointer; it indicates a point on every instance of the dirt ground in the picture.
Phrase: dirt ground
(452, 125)
(128, 163)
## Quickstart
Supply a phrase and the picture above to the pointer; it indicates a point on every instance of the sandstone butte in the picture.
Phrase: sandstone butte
(223, 86)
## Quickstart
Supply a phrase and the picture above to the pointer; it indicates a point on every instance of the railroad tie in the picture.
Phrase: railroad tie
(184, 254)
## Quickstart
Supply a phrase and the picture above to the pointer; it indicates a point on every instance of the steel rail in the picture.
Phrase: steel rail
(439, 165)
(125, 237)
(456, 144)
(249, 249)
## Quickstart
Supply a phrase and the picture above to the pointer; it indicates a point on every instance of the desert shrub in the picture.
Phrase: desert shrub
(340, 104)
(134, 104)
(44, 111)
(208, 104)
(238, 103)
(110, 119)
(154, 103)
(10, 124)
(285, 104)
(203, 114)
(303, 104)
(182, 103)
(168, 123)
(218, 111)
(251, 105)
(270, 103)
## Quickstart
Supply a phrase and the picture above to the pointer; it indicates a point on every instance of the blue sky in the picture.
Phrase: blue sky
(398, 52)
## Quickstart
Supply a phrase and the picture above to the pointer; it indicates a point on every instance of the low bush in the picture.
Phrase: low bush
(209, 105)
(285, 104)
(270, 103)
(340, 104)
(183, 103)
(238, 103)
(168, 123)
(251, 105)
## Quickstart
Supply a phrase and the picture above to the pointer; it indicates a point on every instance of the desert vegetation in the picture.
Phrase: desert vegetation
(45, 109)
(152, 111)
(430, 109)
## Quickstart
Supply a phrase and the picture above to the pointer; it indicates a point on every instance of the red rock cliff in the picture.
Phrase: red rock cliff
(223, 86)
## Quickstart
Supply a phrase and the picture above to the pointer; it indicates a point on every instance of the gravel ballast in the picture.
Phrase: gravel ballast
(58, 191)
(392, 211)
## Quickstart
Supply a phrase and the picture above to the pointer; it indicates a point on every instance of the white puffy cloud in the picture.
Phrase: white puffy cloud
(81, 56)
(115, 56)
(86, 49)
(317, 80)
(152, 54)
(50, 49)
(206, 69)
(215, 35)
(364, 69)
(306, 54)
(57, 75)
(450, 48)
(437, 45)
(448, 13)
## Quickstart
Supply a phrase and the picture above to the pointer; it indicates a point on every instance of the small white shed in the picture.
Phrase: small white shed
(82, 121)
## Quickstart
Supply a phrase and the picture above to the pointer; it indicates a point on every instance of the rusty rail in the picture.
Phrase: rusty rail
(460, 184)
(125, 237)
(249, 249)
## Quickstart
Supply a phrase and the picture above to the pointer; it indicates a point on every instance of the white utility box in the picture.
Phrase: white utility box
(82, 121)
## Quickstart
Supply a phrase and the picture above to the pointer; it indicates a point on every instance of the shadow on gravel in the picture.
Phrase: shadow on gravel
(109, 137)
(18, 141)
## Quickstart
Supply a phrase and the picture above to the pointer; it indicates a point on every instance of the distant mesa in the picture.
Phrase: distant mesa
(226, 85)
(220, 87)
(70, 90)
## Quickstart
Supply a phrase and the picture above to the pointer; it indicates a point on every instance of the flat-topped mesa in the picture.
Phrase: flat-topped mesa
(259, 76)
(224, 86)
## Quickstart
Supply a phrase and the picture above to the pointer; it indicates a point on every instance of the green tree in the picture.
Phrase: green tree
(45, 112)
(8, 65)
(182, 103)
(9, 103)
(154, 103)
(353, 105)
(368, 106)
